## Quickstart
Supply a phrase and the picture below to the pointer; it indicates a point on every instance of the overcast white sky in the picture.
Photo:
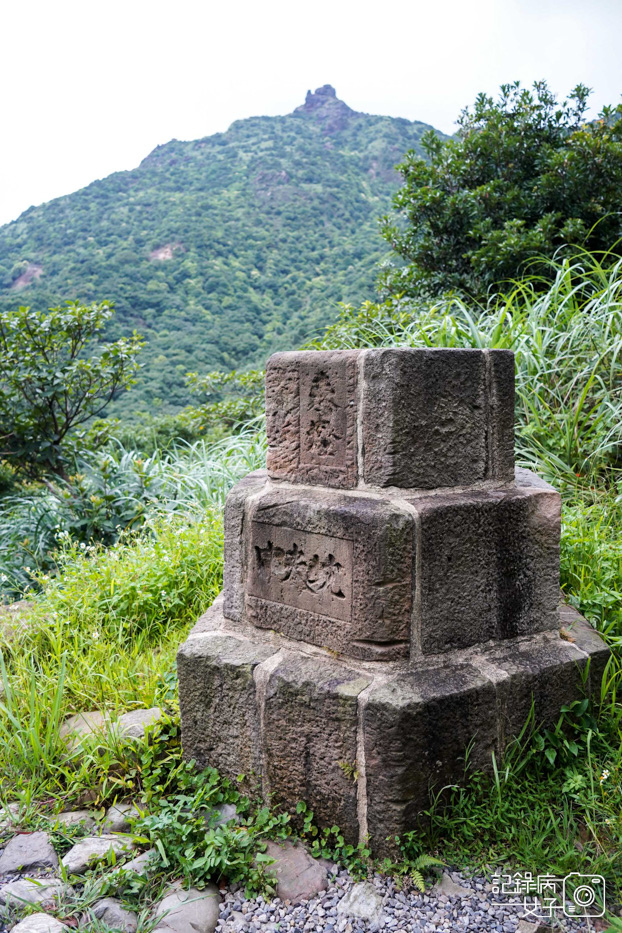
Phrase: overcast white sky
(91, 87)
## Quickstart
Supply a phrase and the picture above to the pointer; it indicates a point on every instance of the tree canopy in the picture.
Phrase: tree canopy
(55, 376)
(524, 176)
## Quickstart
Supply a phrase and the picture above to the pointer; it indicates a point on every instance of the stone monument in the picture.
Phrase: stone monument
(391, 603)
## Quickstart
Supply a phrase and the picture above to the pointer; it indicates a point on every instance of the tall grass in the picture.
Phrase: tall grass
(104, 627)
(114, 490)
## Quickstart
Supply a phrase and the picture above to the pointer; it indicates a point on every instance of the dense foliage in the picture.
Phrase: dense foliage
(523, 177)
(55, 376)
(219, 250)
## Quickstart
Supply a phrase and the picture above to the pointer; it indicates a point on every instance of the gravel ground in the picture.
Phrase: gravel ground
(403, 911)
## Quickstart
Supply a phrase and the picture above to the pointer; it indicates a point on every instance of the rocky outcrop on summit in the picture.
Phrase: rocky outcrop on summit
(324, 105)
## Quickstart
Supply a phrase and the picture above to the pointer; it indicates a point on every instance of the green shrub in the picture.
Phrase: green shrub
(524, 178)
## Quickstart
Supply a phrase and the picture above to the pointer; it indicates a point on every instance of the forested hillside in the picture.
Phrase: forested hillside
(222, 249)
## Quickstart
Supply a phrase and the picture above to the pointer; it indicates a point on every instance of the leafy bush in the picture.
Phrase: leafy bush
(524, 177)
(182, 828)
(55, 376)
(228, 398)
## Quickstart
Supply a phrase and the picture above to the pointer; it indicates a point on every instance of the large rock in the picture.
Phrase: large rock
(364, 745)
(95, 725)
(27, 852)
(9, 817)
(416, 727)
(437, 417)
(141, 865)
(362, 902)
(578, 631)
(488, 564)
(380, 576)
(311, 417)
(84, 727)
(111, 912)
(298, 876)
(190, 911)
(332, 569)
(233, 571)
(546, 674)
(413, 418)
(93, 849)
(391, 593)
(28, 891)
(326, 567)
(39, 923)
(138, 864)
(221, 815)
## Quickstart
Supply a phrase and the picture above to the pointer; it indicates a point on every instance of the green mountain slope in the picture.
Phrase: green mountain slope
(222, 249)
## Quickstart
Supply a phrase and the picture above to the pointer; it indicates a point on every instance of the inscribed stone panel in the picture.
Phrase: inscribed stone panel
(300, 569)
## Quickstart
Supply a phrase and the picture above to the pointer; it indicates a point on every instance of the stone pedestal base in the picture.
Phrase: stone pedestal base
(363, 743)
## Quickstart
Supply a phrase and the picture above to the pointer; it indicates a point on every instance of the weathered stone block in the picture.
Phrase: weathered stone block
(314, 758)
(544, 672)
(375, 576)
(488, 565)
(501, 399)
(331, 569)
(412, 418)
(417, 729)
(305, 724)
(218, 703)
(311, 404)
(433, 417)
(302, 569)
(377, 637)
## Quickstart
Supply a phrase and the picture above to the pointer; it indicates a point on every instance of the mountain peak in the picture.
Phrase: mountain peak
(319, 96)
(324, 105)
